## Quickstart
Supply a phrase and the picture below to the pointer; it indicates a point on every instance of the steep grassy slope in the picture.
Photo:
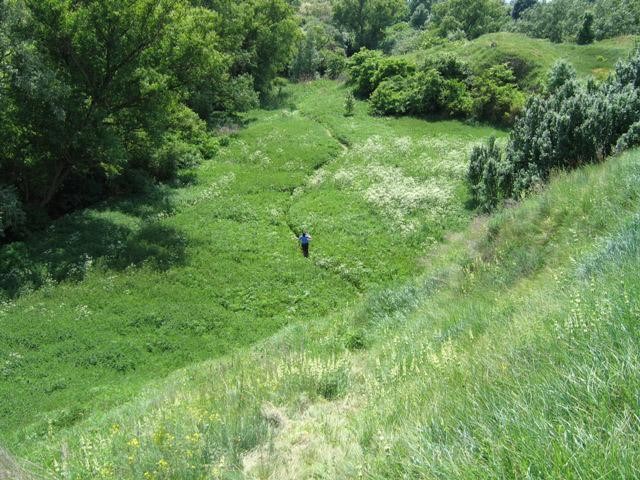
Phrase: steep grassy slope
(155, 283)
(531, 58)
(514, 355)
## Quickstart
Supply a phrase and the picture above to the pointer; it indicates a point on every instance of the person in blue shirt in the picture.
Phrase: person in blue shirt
(305, 239)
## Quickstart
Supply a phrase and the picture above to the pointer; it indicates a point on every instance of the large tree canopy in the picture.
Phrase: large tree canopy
(365, 20)
(471, 17)
(95, 89)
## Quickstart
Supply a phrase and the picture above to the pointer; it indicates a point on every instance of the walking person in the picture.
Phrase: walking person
(304, 240)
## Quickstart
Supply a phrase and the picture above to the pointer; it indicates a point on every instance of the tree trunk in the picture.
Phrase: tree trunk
(61, 173)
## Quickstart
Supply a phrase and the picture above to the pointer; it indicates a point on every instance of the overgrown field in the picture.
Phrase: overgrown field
(113, 297)
(513, 355)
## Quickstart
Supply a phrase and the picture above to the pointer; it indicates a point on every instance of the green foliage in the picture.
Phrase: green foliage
(12, 216)
(520, 6)
(368, 68)
(471, 17)
(364, 21)
(585, 34)
(561, 73)
(485, 162)
(401, 38)
(445, 85)
(630, 139)
(573, 125)
(113, 297)
(391, 97)
(332, 64)
(496, 97)
(616, 17)
(420, 14)
(92, 91)
(522, 315)
(307, 61)
(349, 104)
(530, 59)
(566, 20)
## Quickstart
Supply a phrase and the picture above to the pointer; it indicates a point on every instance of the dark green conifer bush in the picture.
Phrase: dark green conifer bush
(573, 124)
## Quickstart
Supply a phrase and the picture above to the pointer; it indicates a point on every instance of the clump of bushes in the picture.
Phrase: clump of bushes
(571, 125)
(443, 85)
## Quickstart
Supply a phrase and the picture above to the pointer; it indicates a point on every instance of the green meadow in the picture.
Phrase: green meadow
(181, 334)
(119, 295)
(512, 354)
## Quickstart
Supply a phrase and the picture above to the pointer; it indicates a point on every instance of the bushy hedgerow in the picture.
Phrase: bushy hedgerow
(573, 124)
(444, 85)
(496, 97)
(369, 68)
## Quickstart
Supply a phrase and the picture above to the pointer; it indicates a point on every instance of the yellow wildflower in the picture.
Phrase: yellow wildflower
(134, 443)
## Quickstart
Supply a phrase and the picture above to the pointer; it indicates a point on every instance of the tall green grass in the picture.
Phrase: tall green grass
(513, 356)
(111, 298)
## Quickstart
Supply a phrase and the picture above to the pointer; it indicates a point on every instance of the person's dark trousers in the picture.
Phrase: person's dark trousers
(305, 250)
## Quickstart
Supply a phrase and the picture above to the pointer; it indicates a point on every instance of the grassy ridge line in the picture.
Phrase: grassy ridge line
(532, 58)
(517, 358)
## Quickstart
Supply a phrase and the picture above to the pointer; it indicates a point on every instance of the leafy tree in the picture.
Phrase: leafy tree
(520, 6)
(91, 91)
(365, 20)
(484, 174)
(307, 61)
(616, 17)
(555, 20)
(496, 97)
(473, 17)
(362, 69)
(586, 35)
(419, 12)
(561, 72)
(12, 216)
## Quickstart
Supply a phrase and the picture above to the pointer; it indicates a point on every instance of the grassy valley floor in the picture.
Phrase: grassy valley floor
(117, 296)
(513, 355)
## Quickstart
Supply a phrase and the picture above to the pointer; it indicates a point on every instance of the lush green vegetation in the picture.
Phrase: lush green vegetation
(530, 59)
(97, 97)
(443, 85)
(166, 325)
(571, 125)
(514, 352)
(579, 21)
(157, 282)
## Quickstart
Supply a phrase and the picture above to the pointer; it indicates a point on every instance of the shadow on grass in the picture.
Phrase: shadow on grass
(115, 236)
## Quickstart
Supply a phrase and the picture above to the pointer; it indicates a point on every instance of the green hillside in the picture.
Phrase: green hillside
(469, 309)
(513, 353)
(181, 334)
(531, 58)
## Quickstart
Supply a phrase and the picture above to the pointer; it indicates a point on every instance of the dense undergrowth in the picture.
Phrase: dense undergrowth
(124, 293)
(512, 356)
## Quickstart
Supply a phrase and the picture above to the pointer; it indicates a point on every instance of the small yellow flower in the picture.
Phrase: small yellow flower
(163, 464)
(115, 428)
(134, 443)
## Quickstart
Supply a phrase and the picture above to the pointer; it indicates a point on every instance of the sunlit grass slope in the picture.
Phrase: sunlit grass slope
(116, 296)
(531, 58)
(514, 355)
